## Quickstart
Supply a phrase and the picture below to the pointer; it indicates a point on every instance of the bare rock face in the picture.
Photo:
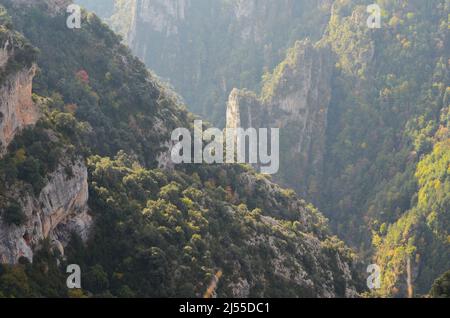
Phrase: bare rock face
(249, 17)
(4, 54)
(296, 100)
(61, 207)
(59, 210)
(162, 15)
(17, 109)
(205, 48)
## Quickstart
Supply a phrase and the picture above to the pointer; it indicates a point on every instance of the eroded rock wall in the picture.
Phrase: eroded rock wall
(60, 209)
(17, 109)
(296, 100)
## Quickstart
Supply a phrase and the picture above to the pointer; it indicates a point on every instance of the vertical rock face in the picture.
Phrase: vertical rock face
(249, 16)
(4, 54)
(161, 15)
(257, 20)
(295, 99)
(205, 48)
(160, 18)
(169, 17)
(17, 109)
(60, 209)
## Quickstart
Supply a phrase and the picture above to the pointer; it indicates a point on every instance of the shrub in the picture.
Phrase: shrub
(14, 214)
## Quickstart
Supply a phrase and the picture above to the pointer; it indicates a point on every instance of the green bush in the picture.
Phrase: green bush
(441, 287)
(13, 214)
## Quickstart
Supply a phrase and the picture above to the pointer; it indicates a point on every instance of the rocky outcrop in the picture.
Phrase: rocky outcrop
(227, 43)
(313, 271)
(313, 262)
(61, 206)
(17, 109)
(254, 20)
(5, 53)
(59, 210)
(161, 15)
(295, 99)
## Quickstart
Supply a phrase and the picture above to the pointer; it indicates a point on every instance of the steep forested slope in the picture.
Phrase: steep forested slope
(228, 43)
(105, 123)
(389, 111)
(441, 287)
(381, 176)
(373, 153)
(380, 172)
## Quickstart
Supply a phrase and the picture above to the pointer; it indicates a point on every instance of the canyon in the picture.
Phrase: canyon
(294, 99)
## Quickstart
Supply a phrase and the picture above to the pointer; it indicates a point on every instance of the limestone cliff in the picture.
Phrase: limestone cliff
(166, 231)
(60, 209)
(61, 206)
(295, 98)
(205, 48)
(17, 109)
(162, 16)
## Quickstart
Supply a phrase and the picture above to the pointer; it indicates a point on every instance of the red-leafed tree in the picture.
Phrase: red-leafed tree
(83, 76)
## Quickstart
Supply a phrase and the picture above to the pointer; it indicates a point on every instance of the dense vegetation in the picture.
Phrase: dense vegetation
(387, 153)
(385, 186)
(157, 232)
(385, 180)
(224, 51)
(441, 287)
(23, 53)
(168, 234)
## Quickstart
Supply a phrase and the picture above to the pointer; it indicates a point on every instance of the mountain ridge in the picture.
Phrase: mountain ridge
(156, 231)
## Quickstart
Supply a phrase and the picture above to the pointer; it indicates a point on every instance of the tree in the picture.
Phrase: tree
(13, 214)
(96, 280)
(441, 287)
